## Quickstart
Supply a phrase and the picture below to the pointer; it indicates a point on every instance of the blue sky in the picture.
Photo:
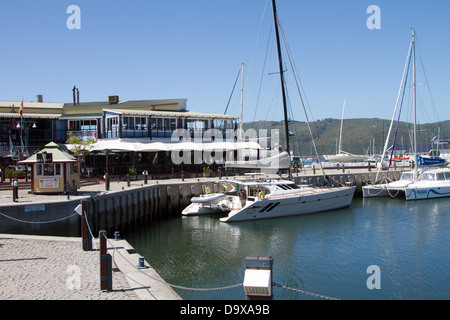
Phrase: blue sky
(194, 49)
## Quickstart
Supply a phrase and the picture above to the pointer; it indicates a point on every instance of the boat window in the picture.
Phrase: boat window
(294, 186)
(427, 177)
(282, 186)
(406, 176)
(440, 176)
(447, 175)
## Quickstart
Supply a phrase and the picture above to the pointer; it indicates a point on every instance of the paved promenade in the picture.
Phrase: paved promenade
(57, 268)
(46, 268)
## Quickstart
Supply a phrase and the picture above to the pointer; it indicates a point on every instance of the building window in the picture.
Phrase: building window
(83, 129)
(48, 170)
(134, 123)
(112, 127)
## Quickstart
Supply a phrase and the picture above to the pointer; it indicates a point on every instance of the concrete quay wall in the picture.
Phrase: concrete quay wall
(120, 207)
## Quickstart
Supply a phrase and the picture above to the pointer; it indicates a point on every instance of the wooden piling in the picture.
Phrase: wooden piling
(105, 263)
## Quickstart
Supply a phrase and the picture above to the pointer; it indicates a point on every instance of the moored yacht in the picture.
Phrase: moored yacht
(254, 199)
(391, 188)
(433, 183)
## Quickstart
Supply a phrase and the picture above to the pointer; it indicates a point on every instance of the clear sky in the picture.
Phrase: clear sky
(193, 49)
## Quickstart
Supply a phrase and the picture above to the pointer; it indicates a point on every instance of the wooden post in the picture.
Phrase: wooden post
(85, 235)
(105, 264)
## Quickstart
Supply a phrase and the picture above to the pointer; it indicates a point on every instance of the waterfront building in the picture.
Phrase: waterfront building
(129, 136)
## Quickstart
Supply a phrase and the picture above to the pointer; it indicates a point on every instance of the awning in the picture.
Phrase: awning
(123, 145)
(130, 145)
(27, 115)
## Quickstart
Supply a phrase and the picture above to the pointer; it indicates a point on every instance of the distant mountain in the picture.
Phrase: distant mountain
(360, 136)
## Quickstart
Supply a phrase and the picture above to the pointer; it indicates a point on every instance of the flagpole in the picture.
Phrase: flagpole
(21, 125)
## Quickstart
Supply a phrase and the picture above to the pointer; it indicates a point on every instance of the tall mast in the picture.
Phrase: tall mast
(241, 128)
(342, 123)
(414, 87)
(280, 62)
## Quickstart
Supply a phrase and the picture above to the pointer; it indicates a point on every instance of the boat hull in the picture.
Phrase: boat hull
(204, 204)
(315, 201)
(427, 192)
(376, 191)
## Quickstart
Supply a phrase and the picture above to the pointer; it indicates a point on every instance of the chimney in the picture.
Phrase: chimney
(78, 97)
(40, 98)
(74, 99)
(113, 99)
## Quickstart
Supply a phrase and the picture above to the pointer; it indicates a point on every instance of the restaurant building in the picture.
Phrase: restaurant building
(128, 136)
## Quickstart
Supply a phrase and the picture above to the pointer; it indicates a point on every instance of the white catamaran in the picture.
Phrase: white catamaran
(422, 182)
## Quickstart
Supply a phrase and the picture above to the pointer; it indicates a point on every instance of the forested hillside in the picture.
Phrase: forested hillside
(360, 136)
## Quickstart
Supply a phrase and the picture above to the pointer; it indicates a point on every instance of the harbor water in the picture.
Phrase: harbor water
(332, 254)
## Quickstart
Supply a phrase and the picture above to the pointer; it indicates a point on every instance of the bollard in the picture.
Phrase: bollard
(258, 277)
(145, 177)
(128, 180)
(141, 264)
(85, 235)
(106, 181)
(105, 264)
(15, 191)
(117, 236)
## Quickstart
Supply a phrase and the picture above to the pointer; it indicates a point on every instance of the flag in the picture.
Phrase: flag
(21, 109)
(11, 146)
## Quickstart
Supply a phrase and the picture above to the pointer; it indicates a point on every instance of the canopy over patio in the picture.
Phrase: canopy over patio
(140, 145)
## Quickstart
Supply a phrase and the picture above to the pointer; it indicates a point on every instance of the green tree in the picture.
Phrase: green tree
(79, 148)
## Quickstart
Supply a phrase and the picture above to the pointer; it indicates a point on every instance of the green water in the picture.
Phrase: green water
(327, 253)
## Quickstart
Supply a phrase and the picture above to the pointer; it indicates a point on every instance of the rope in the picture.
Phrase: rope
(218, 288)
(37, 222)
(173, 285)
(201, 289)
(304, 292)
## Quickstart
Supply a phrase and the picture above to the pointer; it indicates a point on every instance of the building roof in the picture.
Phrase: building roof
(65, 111)
(160, 103)
(28, 115)
(59, 156)
(15, 105)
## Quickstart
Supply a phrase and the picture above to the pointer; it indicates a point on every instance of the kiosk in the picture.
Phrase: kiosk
(53, 171)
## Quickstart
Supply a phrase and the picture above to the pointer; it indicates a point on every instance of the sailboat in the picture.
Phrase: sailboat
(257, 198)
(343, 156)
(421, 182)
